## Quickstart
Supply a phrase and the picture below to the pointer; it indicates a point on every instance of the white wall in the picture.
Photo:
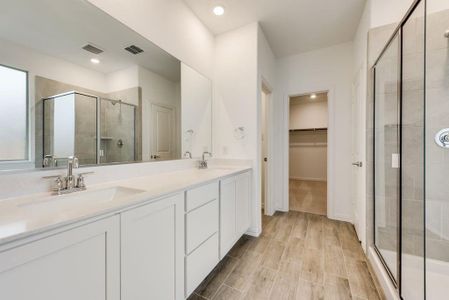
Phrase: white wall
(36, 63)
(328, 69)
(308, 149)
(196, 107)
(123, 79)
(235, 103)
(308, 162)
(308, 114)
(158, 90)
(169, 24)
(235, 95)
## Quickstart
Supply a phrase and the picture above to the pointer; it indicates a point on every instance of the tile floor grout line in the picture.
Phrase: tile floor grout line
(332, 277)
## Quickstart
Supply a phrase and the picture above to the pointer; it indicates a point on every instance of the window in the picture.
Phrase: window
(13, 114)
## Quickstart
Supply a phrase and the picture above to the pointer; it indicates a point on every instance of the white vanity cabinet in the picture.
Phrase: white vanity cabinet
(202, 241)
(235, 214)
(243, 203)
(152, 250)
(159, 248)
(71, 263)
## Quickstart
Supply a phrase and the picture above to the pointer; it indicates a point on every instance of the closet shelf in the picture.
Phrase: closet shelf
(309, 129)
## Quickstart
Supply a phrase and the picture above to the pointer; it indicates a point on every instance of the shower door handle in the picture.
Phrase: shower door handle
(357, 164)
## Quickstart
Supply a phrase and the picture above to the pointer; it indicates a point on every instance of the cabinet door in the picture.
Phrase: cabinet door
(243, 201)
(80, 263)
(153, 250)
(228, 233)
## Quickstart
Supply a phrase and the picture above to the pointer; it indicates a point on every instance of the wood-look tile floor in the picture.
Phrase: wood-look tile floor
(297, 256)
(308, 196)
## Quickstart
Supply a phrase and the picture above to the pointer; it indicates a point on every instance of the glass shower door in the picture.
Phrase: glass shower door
(117, 131)
(386, 157)
(437, 153)
(412, 164)
(411, 190)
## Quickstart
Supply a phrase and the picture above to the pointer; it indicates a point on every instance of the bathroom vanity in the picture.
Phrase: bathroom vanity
(154, 237)
(147, 224)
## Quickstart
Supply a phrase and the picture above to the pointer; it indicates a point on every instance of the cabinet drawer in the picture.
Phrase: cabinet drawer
(200, 263)
(201, 223)
(201, 195)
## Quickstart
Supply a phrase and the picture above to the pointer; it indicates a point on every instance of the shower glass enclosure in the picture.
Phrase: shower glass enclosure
(411, 153)
(117, 131)
(94, 129)
(70, 128)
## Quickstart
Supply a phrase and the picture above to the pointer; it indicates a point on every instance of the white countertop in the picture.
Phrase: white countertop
(19, 219)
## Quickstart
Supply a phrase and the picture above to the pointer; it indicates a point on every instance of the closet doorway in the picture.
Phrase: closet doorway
(308, 153)
(265, 105)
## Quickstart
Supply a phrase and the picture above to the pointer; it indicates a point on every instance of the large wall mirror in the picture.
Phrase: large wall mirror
(76, 82)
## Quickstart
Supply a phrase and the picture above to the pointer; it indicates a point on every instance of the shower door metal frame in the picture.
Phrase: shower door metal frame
(398, 32)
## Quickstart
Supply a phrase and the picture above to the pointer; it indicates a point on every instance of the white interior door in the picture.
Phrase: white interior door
(163, 128)
(358, 163)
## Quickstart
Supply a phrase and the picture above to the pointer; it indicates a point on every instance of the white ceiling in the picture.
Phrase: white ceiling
(306, 98)
(291, 26)
(61, 28)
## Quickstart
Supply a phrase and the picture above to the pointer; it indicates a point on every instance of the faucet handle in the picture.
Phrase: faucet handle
(58, 183)
(80, 180)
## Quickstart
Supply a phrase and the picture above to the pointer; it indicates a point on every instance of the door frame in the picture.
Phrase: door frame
(359, 79)
(330, 147)
(269, 208)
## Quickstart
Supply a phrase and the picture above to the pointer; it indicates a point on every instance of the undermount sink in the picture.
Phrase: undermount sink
(76, 198)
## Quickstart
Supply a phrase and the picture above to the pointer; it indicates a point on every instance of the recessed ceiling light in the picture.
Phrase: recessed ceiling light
(219, 10)
(313, 96)
(95, 61)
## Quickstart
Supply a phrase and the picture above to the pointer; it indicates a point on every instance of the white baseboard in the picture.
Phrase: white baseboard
(339, 217)
(253, 232)
(309, 179)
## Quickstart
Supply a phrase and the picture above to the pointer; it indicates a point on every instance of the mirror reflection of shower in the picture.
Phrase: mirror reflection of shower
(69, 128)
(117, 130)
(93, 128)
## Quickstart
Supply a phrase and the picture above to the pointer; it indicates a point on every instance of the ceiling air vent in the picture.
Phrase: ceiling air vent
(92, 49)
(134, 49)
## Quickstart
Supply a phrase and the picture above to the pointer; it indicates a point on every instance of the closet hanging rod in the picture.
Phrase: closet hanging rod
(309, 129)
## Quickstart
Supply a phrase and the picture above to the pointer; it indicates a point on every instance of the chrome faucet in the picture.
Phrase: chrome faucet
(188, 154)
(68, 184)
(71, 163)
(203, 161)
